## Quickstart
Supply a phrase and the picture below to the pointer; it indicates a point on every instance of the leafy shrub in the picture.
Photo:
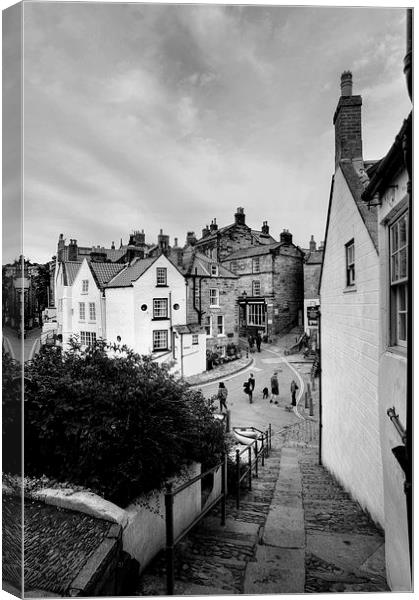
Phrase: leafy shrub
(119, 425)
(12, 410)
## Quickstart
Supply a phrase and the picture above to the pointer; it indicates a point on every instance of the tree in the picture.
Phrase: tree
(117, 423)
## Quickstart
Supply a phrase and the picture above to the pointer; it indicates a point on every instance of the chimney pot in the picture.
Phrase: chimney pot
(346, 83)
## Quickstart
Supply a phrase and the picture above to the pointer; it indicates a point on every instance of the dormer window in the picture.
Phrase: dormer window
(214, 270)
(84, 286)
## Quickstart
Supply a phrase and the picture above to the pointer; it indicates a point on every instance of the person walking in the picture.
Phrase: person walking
(258, 341)
(252, 384)
(274, 387)
(251, 341)
(222, 396)
(294, 388)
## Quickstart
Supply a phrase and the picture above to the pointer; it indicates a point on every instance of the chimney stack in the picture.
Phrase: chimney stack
(285, 237)
(163, 242)
(312, 244)
(205, 231)
(72, 250)
(190, 238)
(265, 228)
(347, 122)
(240, 217)
(213, 226)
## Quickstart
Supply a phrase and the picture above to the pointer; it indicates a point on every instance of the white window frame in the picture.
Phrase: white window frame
(160, 308)
(350, 263)
(85, 286)
(160, 340)
(399, 281)
(92, 311)
(256, 265)
(195, 339)
(217, 296)
(220, 325)
(197, 294)
(87, 338)
(161, 276)
(256, 315)
(82, 311)
(256, 288)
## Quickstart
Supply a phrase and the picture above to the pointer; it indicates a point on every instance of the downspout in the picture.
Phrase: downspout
(320, 389)
(181, 354)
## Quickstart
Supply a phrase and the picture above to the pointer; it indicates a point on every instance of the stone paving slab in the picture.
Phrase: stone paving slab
(212, 525)
(276, 571)
(347, 551)
(284, 529)
(192, 589)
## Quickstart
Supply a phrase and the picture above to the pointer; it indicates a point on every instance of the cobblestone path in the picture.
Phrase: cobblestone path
(212, 559)
(344, 548)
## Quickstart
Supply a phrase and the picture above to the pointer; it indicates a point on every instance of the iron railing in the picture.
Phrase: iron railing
(171, 540)
(260, 453)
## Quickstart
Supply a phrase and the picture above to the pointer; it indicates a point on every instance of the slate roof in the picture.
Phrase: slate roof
(202, 264)
(58, 543)
(253, 251)
(314, 258)
(131, 273)
(368, 215)
(189, 328)
(262, 239)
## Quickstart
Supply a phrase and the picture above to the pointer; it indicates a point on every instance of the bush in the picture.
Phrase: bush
(119, 425)
(12, 411)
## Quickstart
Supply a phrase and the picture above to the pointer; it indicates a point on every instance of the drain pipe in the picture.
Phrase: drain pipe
(320, 390)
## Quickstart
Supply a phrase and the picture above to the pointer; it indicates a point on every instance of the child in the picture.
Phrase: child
(265, 393)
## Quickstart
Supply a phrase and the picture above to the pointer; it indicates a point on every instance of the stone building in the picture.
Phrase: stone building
(350, 318)
(270, 273)
(313, 259)
(211, 299)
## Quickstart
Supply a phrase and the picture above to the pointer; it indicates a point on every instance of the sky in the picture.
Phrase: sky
(167, 116)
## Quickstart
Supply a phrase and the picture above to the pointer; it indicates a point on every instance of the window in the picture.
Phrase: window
(214, 270)
(160, 338)
(197, 294)
(255, 314)
(92, 311)
(159, 308)
(208, 325)
(220, 325)
(82, 311)
(84, 286)
(350, 263)
(214, 297)
(161, 276)
(233, 266)
(256, 265)
(87, 338)
(195, 339)
(398, 281)
(256, 288)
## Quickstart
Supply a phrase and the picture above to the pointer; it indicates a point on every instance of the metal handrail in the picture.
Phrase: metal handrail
(260, 454)
(394, 418)
(171, 541)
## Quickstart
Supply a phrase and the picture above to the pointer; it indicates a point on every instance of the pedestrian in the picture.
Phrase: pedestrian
(274, 387)
(294, 388)
(246, 389)
(258, 341)
(251, 341)
(265, 393)
(222, 396)
(252, 384)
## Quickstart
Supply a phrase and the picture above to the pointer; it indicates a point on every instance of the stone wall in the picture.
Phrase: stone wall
(311, 280)
(224, 243)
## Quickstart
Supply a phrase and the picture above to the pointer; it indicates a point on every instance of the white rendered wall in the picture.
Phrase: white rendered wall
(349, 327)
(93, 295)
(392, 393)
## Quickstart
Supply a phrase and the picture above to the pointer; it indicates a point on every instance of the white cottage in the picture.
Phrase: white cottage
(349, 293)
(146, 310)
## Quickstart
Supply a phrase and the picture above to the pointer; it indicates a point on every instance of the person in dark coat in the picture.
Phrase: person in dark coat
(258, 341)
(274, 387)
(222, 396)
(252, 384)
(294, 388)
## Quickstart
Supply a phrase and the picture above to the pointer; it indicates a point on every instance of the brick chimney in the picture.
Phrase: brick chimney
(205, 231)
(240, 217)
(347, 122)
(285, 237)
(265, 228)
(190, 238)
(113, 246)
(163, 242)
(60, 248)
(72, 250)
(313, 245)
(213, 226)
